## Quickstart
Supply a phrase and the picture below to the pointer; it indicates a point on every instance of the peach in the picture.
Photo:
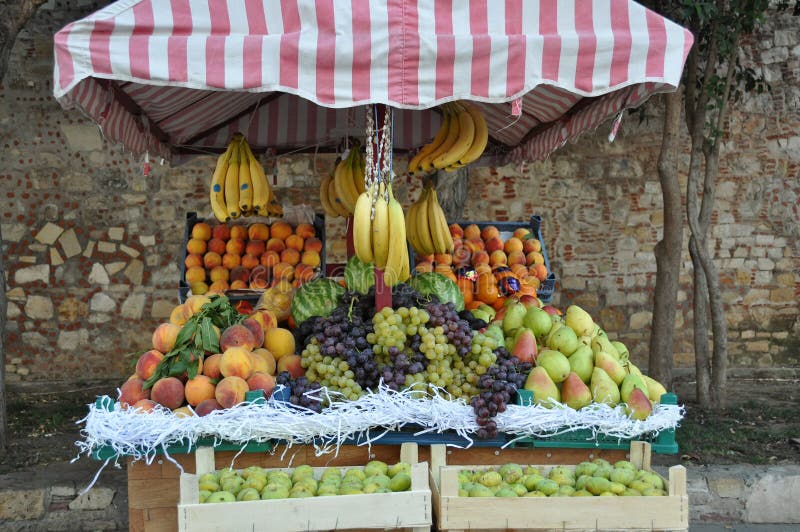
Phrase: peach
(295, 242)
(456, 231)
(199, 389)
(258, 231)
(305, 231)
(168, 392)
(193, 305)
(269, 364)
(239, 273)
(462, 255)
(201, 231)
(424, 267)
(132, 391)
(304, 272)
(218, 273)
(310, 258)
(493, 244)
(265, 318)
(195, 274)
(472, 231)
(193, 260)
(230, 391)
(211, 366)
(498, 257)
(534, 257)
(270, 259)
(539, 271)
(236, 362)
(250, 261)
(443, 258)
(200, 287)
(521, 232)
(283, 270)
(313, 244)
(259, 283)
(280, 230)
(231, 260)
(218, 287)
(217, 245)
(238, 336)
(512, 244)
(238, 231)
(183, 411)
(259, 363)
(291, 363)
(235, 246)
(222, 232)
(474, 244)
(488, 232)
(255, 247)
(275, 244)
(196, 246)
(261, 381)
(516, 257)
(211, 260)
(480, 257)
(206, 407)
(255, 329)
(164, 337)
(279, 342)
(177, 317)
(239, 285)
(531, 244)
(147, 363)
(144, 405)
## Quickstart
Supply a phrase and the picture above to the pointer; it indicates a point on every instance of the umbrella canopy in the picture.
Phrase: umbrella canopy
(178, 77)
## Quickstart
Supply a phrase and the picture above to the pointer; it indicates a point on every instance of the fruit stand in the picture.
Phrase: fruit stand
(438, 332)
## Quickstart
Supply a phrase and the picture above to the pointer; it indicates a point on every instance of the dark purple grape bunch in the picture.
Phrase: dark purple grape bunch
(302, 392)
(457, 330)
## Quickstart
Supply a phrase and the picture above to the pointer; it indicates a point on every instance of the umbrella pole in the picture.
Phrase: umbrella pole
(383, 293)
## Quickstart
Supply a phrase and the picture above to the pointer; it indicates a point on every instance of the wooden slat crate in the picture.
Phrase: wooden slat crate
(454, 513)
(409, 509)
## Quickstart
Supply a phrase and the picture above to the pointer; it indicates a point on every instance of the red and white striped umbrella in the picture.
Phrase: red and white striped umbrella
(177, 77)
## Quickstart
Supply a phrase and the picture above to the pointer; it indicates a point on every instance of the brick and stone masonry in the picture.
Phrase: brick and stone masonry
(92, 247)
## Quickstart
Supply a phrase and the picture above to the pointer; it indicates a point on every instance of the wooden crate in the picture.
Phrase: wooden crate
(452, 512)
(409, 509)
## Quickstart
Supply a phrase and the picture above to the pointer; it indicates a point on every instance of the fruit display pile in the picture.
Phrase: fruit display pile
(231, 256)
(588, 479)
(339, 191)
(255, 483)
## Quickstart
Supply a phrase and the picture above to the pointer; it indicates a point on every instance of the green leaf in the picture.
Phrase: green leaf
(178, 368)
(210, 342)
(186, 333)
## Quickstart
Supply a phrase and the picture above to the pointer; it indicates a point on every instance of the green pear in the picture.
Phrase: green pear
(530, 481)
(630, 382)
(511, 473)
(327, 490)
(400, 482)
(489, 310)
(300, 493)
(538, 321)
(603, 471)
(622, 476)
(601, 462)
(245, 474)
(585, 468)
(506, 492)
(399, 467)
(382, 481)
(630, 492)
(574, 392)
(654, 492)
(355, 473)
(350, 491)
(582, 362)
(519, 489)
(585, 340)
(639, 485)
(604, 390)
(479, 490)
(601, 343)
(547, 486)
(302, 471)
(331, 472)
(610, 365)
(562, 476)
(564, 491)
(535, 493)
(563, 340)
(579, 320)
(617, 488)
(597, 485)
(633, 369)
(654, 389)
(248, 494)
(221, 496)
(556, 364)
(638, 405)
(556, 326)
(280, 480)
(256, 482)
(532, 470)
(306, 483)
(375, 467)
(203, 495)
(494, 331)
(232, 484)
(544, 389)
(208, 484)
(582, 493)
(624, 464)
(515, 314)
(621, 350)
(274, 491)
(491, 478)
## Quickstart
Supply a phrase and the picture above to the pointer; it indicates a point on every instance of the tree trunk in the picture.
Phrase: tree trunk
(668, 249)
(702, 362)
(451, 188)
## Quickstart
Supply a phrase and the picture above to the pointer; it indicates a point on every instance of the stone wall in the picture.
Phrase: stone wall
(92, 247)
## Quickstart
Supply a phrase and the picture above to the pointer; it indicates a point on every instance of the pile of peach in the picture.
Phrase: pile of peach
(228, 257)
(251, 355)
(484, 251)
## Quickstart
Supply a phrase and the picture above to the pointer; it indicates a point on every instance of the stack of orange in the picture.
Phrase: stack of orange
(229, 256)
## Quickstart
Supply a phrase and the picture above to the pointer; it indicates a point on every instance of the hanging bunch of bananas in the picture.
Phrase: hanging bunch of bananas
(426, 225)
(239, 186)
(338, 192)
(460, 140)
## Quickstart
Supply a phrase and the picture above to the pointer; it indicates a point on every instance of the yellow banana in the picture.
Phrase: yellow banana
(423, 225)
(380, 229)
(217, 194)
(440, 232)
(345, 187)
(452, 136)
(411, 226)
(334, 199)
(325, 199)
(466, 135)
(413, 164)
(245, 183)
(398, 248)
(232, 184)
(359, 169)
(261, 187)
(362, 226)
(481, 135)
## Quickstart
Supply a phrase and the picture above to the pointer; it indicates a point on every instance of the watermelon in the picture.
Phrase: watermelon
(432, 283)
(359, 276)
(316, 298)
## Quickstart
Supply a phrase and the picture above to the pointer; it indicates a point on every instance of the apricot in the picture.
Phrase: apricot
(193, 260)
(200, 287)
(280, 230)
(239, 273)
(498, 257)
(456, 231)
(177, 317)
(164, 337)
(494, 244)
(480, 257)
(147, 363)
(231, 260)
(168, 392)
(218, 287)
(195, 274)
(143, 406)
(269, 364)
(291, 363)
(201, 231)
(258, 231)
(539, 271)
(313, 244)
(255, 329)
(310, 258)
(270, 259)
(534, 257)
(250, 261)
(231, 391)
(211, 260)
(304, 272)
(521, 232)
(217, 245)
(261, 381)
(305, 231)
(199, 389)
(193, 305)
(424, 267)
(211, 366)
(275, 244)
(238, 231)
(279, 342)
(516, 257)
(222, 232)
(265, 318)
(512, 244)
(218, 273)
(295, 242)
(132, 391)
(472, 231)
(283, 270)
(235, 246)
(238, 285)
(196, 246)
(206, 407)
(489, 232)
(474, 244)
(238, 336)
(236, 361)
